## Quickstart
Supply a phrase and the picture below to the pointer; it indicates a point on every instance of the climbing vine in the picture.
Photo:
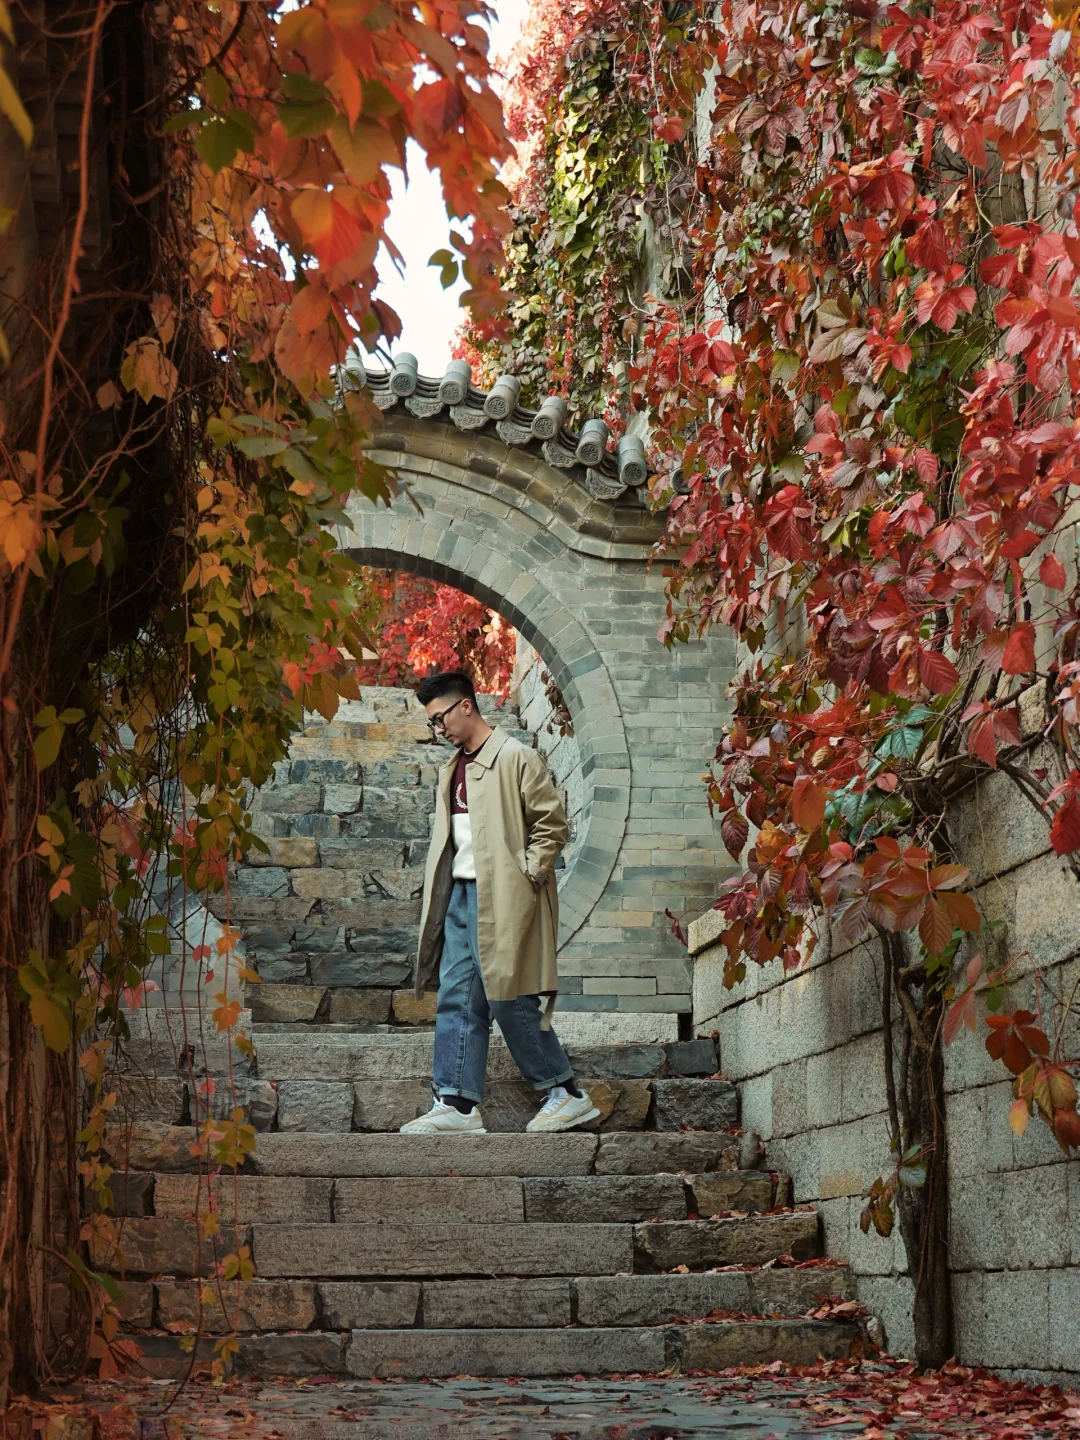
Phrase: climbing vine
(183, 271)
(864, 431)
(597, 205)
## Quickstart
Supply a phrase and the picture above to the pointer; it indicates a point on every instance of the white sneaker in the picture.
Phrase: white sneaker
(562, 1111)
(443, 1119)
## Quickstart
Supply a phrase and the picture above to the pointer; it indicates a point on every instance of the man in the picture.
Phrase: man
(489, 921)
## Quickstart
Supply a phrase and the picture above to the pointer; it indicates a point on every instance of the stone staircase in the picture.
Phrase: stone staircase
(625, 1250)
(655, 1239)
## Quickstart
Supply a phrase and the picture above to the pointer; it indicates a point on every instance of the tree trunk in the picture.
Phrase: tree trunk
(915, 1084)
(924, 1212)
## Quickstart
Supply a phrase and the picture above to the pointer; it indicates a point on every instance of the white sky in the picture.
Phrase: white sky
(418, 227)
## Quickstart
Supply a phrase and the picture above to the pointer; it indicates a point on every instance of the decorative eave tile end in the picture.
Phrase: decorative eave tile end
(605, 473)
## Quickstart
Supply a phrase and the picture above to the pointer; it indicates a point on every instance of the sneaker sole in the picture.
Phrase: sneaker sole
(437, 1129)
(568, 1125)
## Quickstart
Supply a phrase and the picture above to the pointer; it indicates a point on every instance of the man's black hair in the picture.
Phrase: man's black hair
(449, 685)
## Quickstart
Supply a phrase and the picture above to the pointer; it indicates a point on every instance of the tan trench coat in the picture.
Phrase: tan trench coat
(519, 829)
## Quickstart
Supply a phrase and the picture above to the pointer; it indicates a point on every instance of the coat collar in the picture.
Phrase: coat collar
(488, 751)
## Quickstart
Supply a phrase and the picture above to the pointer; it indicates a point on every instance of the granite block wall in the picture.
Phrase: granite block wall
(807, 1052)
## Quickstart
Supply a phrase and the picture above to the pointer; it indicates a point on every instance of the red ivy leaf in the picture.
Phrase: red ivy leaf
(1052, 573)
(1019, 657)
(734, 828)
(937, 672)
(1065, 831)
(981, 741)
(960, 1016)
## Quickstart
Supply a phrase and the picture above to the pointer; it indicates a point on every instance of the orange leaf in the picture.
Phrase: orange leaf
(961, 910)
(808, 803)
(147, 369)
(310, 306)
(960, 1015)
(935, 927)
(349, 87)
(439, 107)
(306, 359)
(330, 228)
(948, 877)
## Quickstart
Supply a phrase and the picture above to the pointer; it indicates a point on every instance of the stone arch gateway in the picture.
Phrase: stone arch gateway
(514, 521)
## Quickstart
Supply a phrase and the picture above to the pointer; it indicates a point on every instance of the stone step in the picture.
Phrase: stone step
(646, 1039)
(735, 1240)
(435, 1354)
(504, 1303)
(508, 1105)
(613, 1300)
(363, 1249)
(403, 1054)
(339, 1051)
(564, 1200)
(346, 1250)
(383, 1354)
(373, 1106)
(165, 1148)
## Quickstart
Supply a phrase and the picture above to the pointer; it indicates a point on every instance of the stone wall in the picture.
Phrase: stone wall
(561, 751)
(806, 1050)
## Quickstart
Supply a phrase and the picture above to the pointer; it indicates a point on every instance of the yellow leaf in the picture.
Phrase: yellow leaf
(12, 107)
(148, 370)
(49, 830)
(1019, 1114)
(53, 1019)
(19, 524)
(164, 312)
(363, 150)
(108, 396)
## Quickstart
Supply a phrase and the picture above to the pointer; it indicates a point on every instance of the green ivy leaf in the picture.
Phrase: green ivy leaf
(447, 266)
(217, 142)
(303, 119)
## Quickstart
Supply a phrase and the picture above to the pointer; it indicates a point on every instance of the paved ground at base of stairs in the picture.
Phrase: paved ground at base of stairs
(870, 1400)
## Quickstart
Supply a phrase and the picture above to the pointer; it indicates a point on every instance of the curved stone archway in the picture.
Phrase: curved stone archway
(547, 624)
(571, 571)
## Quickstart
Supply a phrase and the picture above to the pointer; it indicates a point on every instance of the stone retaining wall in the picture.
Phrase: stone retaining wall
(806, 1050)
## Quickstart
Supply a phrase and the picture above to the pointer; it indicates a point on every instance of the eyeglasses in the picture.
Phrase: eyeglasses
(437, 723)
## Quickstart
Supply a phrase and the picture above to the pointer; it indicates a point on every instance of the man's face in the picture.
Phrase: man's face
(450, 718)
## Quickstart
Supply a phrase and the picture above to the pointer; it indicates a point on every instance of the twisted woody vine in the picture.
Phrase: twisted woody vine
(859, 370)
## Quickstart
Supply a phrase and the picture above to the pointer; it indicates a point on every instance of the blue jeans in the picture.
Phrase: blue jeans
(464, 1014)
